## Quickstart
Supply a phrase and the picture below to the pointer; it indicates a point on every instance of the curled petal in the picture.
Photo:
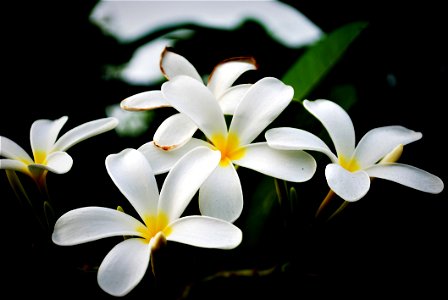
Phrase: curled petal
(185, 178)
(174, 132)
(133, 175)
(290, 165)
(230, 99)
(57, 162)
(262, 103)
(124, 267)
(83, 132)
(162, 161)
(44, 133)
(144, 101)
(173, 64)
(227, 72)
(193, 99)
(409, 176)
(205, 232)
(14, 165)
(287, 138)
(350, 186)
(378, 142)
(11, 149)
(221, 195)
(337, 123)
(93, 223)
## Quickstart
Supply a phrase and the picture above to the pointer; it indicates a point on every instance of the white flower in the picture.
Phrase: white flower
(49, 152)
(350, 170)
(126, 264)
(177, 129)
(221, 194)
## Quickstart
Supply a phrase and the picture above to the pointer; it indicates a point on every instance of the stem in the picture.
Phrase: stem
(339, 210)
(325, 202)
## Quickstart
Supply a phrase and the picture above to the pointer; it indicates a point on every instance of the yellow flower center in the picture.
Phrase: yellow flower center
(40, 157)
(350, 165)
(155, 224)
(229, 146)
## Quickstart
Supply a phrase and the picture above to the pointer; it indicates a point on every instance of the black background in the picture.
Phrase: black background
(391, 243)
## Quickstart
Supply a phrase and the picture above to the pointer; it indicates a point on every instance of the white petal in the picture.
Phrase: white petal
(205, 232)
(350, 186)
(83, 132)
(144, 101)
(174, 132)
(173, 64)
(227, 72)
(132, 174)
(290, 165)
(195, 100)
(378, 142)
(44, 133)
(162, 161)
(184, 180)
(287, 138)
(409, 176)
(11, 149)
(124, 267)
(92, 223)
(57, 162)
(262, 103)
(230, 99)
(14, 165)
(221, 195)
(337, 123)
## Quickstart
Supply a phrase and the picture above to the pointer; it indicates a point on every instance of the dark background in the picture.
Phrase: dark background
(391, 243)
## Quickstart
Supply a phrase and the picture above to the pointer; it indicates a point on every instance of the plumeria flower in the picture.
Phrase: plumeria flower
(177, 129)
(49, 152)
(126, 264)
(351, 168)
(221, 194)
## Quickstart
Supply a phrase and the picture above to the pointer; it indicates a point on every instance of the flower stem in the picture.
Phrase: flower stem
(325, 202)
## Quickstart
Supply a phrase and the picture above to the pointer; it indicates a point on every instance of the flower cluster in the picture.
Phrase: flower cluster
(200, 150)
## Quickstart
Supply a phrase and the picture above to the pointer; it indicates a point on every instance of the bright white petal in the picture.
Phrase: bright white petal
(409, 176)
(227, 72)
(230, 99)
(44, 133)
(221, 195)
(350, 186)
(337, 123)
(162, 161)
(14, 165)
(92, 223)
(133, 175)
(57, 162)
(205, 232)
(174, 132)
(287, 138)
(262, 103)
(11, 149)
(124, 267)
(290, 165)
(144, 101)
(185, 178)
(195, 100)
(83, 132)
(378, 142)
(173, 64)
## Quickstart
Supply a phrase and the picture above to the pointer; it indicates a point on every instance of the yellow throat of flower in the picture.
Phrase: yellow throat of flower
(40, 157)
(155, 224)
(229, 146)
(351, 165)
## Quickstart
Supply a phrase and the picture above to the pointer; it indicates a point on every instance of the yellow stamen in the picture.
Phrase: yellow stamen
(229, 146)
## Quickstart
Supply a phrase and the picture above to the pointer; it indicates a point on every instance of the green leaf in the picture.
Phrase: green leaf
(319, 58)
